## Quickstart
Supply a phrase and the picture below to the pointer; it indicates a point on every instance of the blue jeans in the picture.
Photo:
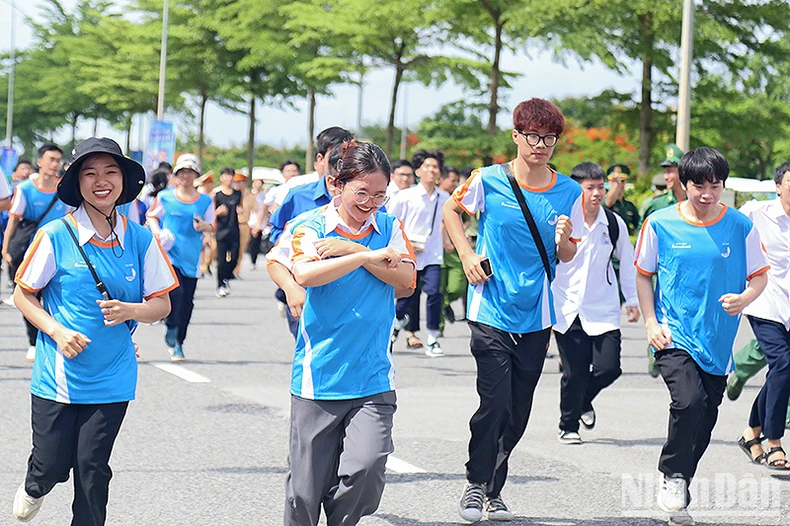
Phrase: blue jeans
(429, 280)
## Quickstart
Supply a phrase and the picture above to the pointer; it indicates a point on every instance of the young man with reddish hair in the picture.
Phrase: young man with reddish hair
(510, 309)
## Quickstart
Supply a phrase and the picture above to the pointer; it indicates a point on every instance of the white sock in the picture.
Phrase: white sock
(432, 336)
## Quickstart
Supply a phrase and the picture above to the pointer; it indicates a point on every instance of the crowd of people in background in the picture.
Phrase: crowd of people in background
(528, 252)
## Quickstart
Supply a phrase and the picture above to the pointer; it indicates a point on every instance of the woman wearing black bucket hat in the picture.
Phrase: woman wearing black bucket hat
(98, 275)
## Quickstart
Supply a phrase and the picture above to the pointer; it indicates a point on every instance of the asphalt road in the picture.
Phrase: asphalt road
(205, 443)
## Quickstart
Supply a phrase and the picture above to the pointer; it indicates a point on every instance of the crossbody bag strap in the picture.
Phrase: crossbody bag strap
(47, 209)
(99, 284)
(533, 228)
(435, 208)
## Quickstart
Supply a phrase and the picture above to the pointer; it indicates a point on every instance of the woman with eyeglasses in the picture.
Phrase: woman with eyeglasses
(350, 257)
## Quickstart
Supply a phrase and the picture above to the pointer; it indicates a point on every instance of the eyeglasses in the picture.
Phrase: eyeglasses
(533, 138)
(361, 197)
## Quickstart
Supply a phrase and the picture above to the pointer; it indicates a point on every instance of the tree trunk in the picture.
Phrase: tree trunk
(393, 104)
(96, 126)
(646, 132)
(201, 131)
(493, 101)
(129, 134)
(251, 139)
(74, 123)
(310, 150)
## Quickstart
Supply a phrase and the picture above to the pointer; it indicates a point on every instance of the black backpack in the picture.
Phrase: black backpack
(614, 235)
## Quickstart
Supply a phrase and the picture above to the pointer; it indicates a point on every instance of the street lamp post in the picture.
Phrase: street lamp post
(684, 93)
(160, 105)
(9, 122)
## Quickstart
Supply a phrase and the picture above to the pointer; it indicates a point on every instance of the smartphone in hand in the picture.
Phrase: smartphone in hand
(486, 266)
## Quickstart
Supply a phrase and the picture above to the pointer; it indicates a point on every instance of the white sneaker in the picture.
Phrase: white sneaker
(681, 518)
(672, 495)
(221, 292)
(434, 350)
(588, 419)
(569, 438)
(30, 356)
(471, 506)
(9, 301)
(25, 506)
(497, 510)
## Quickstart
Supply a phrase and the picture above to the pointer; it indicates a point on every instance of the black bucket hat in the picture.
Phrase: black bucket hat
(133, 172)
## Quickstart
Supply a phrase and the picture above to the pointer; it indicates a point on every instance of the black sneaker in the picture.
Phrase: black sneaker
(497, 510)
(471, 506)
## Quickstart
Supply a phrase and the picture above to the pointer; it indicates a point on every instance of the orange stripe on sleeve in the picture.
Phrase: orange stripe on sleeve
(641, 237)
(461, 191)
(28, 257)
(169, 265)
(643, 271)
(758, 272)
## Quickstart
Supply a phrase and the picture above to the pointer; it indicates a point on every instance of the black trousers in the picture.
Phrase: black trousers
(182, 302)
(508, 370)
(696, 396)
(32, 332)
(770, 407)
(254, 248)
(79, 438)
(589, 365)
(227, 257)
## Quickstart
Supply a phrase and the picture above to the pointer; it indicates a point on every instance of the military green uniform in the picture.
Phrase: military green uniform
(659, 202)
(628, 211)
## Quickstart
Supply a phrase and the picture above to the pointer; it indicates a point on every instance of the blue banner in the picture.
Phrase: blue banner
(161, 145)
(8, 160)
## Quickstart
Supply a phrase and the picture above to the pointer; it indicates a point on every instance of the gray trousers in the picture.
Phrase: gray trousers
(337, 457)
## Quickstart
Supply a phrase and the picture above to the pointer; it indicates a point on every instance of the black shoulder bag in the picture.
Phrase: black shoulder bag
(99, 284)
(614, 235)
(23, 235)
(533, 228)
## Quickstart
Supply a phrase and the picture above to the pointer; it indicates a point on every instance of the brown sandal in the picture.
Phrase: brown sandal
(413, 342)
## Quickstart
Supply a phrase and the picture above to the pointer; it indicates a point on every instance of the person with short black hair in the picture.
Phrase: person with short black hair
(510, 307)
(420, 210)
(707, 253)
(35, 201)
(587, 302)
(402, 177)
(227, 205)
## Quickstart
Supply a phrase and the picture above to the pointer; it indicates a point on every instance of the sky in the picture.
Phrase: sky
(540, 77)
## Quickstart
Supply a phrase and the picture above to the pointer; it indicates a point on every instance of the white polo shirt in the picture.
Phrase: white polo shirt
(581, 287)
(415, 208)
(773, 224)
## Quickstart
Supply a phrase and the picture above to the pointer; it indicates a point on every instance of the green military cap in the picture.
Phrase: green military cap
(619, 169)
(673, 155)
(658, 180)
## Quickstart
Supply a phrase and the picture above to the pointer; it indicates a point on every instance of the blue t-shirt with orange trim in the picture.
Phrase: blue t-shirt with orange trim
(343, 348)
(177, 216)
(695, 265)
(518, 297)
(36, 202)
(106, 371)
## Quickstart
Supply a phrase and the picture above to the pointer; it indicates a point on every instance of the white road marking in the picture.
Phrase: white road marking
(184, 374)
(399, 466)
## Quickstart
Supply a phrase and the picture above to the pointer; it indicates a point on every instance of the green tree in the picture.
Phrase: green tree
(402, 35)
(265, 54)
(621, 32)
